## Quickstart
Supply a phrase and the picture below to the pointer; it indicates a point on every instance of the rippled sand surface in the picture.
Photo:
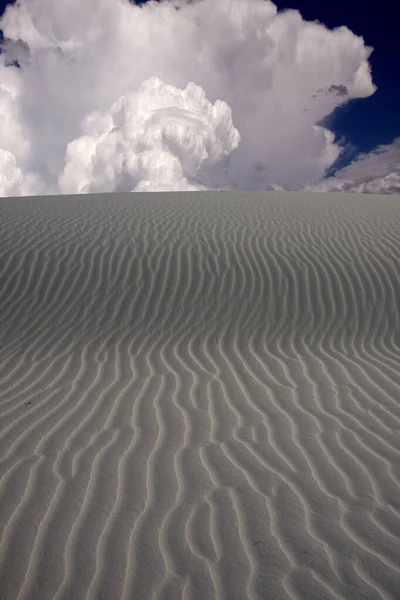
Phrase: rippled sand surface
(200, 397)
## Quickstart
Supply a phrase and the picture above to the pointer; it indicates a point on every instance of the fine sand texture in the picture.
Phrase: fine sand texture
(200, 397)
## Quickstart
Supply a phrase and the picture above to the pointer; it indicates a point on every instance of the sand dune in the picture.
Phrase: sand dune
(199, 397)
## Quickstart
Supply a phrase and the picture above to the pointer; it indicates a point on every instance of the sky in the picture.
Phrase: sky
(184, 95)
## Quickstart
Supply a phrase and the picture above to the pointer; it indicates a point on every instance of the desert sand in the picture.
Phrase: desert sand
(200, 396)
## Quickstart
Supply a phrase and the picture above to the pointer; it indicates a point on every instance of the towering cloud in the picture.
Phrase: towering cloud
(109, 96)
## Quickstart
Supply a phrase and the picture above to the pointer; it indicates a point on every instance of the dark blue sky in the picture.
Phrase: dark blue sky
(372, 121)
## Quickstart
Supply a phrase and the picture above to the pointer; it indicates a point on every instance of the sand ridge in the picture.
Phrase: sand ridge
(199, 396)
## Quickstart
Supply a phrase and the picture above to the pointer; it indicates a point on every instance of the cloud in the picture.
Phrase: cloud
(158, 138)
(377, 172)
(174, 95)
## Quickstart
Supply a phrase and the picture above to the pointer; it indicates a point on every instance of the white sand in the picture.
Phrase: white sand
(200, 397)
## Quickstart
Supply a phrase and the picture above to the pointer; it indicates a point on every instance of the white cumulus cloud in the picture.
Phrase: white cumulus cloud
(158, 138)
(377, 172)
(173, 95)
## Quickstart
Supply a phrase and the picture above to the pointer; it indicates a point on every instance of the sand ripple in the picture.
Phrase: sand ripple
(199, 397)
